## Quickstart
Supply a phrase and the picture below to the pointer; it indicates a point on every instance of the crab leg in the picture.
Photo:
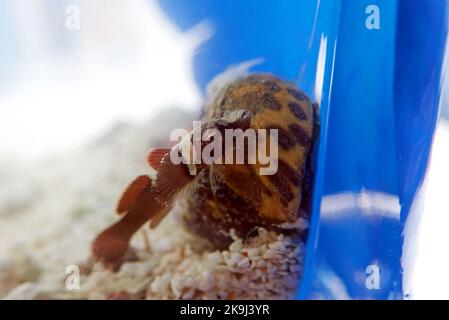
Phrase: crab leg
(143, 200)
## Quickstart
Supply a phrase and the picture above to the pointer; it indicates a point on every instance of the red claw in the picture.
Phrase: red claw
(155, 157)
(132, 193)
(143, 200)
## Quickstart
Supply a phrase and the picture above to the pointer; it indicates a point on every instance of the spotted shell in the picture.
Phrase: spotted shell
(241, 199)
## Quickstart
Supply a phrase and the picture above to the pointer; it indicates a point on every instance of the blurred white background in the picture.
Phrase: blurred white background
(429, 279)
(60, 87)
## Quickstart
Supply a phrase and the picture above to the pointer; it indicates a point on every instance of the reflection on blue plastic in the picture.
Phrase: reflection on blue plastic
(381, 120)
(359, 218)
(276, 31)
(378, 91)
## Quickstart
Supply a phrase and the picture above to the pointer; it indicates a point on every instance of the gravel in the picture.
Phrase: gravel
(51, 210)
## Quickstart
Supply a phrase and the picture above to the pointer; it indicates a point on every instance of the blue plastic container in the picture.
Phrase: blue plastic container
(378, 90)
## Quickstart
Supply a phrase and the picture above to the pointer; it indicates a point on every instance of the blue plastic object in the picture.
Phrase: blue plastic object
(378, 91)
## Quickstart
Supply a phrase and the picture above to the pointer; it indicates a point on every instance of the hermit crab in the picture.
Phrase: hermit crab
(221, 197)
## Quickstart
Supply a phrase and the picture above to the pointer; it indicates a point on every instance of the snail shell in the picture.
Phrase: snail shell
(235, 196)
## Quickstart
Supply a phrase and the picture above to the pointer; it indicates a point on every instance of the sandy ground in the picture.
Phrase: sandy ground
(51, 210)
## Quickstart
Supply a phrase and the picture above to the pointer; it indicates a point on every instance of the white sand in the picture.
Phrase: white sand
(50, 212)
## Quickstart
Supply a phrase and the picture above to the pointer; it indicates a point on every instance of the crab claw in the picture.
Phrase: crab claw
(144, 199)
(139, 205)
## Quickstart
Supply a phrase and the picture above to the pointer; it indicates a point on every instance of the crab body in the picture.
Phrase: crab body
(224, 197)
(235, 196)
